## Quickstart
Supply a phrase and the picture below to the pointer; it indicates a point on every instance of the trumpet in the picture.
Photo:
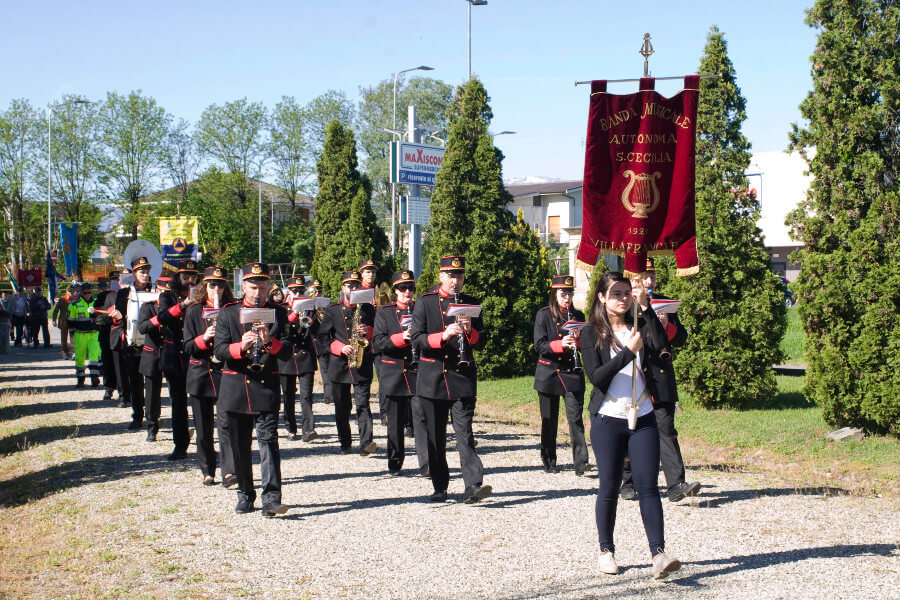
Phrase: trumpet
(306, 320)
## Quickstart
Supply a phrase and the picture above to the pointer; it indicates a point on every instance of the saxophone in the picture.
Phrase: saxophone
(357, 341)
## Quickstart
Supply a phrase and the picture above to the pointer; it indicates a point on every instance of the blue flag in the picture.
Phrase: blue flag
(51, 275)
(68, 234)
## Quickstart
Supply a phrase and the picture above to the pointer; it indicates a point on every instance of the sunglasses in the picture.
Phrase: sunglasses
(406, 288)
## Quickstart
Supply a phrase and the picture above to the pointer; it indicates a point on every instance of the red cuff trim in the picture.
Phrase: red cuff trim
(275, 347)
(235, 351)
(397, 340)
(201, 343)
(556, 346)
(154, 321)
(435, 339)
(176, 311)
(473, 336)
(293, 317)
(336, 347)
(370, 332)
(671, 330)
(117, 321)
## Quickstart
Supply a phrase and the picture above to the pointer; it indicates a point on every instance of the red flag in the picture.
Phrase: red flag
(639, 177)
(29, 277)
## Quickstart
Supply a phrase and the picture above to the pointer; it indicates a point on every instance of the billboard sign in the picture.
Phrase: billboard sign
(415, 163)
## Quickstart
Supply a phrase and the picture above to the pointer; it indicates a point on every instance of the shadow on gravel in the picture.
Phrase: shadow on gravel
(28, 390)
(735, 564)
(11, 368)
(328, 508)
(510, 499)
(15, 376)
(39, 484)
(51, 433)
(17, 411)
(717, 499)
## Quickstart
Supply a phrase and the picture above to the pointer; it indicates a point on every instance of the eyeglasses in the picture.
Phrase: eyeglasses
(406, 288)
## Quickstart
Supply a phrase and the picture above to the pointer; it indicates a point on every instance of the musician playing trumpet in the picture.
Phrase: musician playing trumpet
(559, 373)
(249, 392)
(338, 334)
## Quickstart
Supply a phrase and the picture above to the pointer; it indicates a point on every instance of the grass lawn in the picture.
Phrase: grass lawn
(782, 437)
(793, 341)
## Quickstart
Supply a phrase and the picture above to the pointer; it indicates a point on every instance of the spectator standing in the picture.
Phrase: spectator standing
(19, 312)
(60, 317)
(38, 306)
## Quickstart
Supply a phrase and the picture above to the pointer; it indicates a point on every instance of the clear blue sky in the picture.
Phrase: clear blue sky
(189, 54)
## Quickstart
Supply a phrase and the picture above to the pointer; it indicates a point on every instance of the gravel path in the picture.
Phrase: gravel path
(352, 532)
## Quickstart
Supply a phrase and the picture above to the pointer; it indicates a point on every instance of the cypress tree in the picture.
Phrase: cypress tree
(345, 226)
(849, 284)
(506, 268)
(733, 308)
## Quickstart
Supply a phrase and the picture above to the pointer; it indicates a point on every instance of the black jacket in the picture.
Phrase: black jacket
(203, 375)
(303, 342)
(397, 377)
(600, 368)
(555, 372)
(151, 355)
(170, 320)
(334, 333)
(662, 371)
(242, 390)
(440, 375)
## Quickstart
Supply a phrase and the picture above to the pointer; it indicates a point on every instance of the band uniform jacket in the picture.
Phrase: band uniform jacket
(600, 368)
(397, 377)
(303, 342)
(203, 375)
(103, 322)
(242, 390)
(119, 301)
(170, 320)
(662, 371)
(151, 352)
(555, 372)
(334, 334)
(440, 375)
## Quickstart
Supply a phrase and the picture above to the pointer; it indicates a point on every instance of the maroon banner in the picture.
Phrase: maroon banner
(29, 277)
(639, 177)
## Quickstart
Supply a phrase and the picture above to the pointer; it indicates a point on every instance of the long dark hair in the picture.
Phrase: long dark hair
(599, 320)
(202, 294)
(553, 304)
(178, 288)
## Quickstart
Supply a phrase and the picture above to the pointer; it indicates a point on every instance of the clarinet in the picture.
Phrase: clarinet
(576, 358)
(413, 355)
(256, 365)
(464, 358)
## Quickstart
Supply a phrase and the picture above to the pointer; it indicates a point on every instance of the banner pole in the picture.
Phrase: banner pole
(716, 75)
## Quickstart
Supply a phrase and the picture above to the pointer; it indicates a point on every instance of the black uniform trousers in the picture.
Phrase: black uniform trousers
(416, 420)
(178, 393)
(289, 387)
(436, 414)
(397, 409)
(108, 362)
(205, 422)
(152, 401)
(341, 393)
(130, 380)
(382, 403)
(669, 449)
(240, 430)
(574, 402)
(324, 359)
(226, 453)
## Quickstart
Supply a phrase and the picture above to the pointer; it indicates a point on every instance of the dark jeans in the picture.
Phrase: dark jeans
(289, 387)
(41, 326)
(17, 327)
(240, 429)
(178, 394)
(341, 392)
(436, 413)
(131, 382)
(574, 402)
(152, 402)
(324, 359)
(612, 440)
(669, 450)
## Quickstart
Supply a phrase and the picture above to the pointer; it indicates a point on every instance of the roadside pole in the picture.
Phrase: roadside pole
(415, 230)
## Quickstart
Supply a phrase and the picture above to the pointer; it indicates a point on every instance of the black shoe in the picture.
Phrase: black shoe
(80, 383)
(135, 425)
(628, 493)
(177, 455)
(122, 404)
(229, 481)
(273, 508)
(425, 471)
(409, 433)
(244, 506)
(678, 491)
(346, 451)
(439, 496)
(151, 436)
(394, 472)
(480, 493)
(583, 469)
(308, 437)
(208, 480)
(384, 421)
(108, 394)
(95, 382)
(368, 449)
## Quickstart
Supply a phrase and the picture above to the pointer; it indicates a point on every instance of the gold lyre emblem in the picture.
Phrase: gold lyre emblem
(406, 275)
(219, 273)
(646, 195)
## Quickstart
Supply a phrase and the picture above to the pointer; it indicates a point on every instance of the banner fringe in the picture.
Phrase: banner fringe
(688, 271)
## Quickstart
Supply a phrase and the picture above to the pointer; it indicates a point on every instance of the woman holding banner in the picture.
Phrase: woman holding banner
(616, 348)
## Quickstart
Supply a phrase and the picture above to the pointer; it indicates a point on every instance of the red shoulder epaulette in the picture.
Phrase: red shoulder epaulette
(230, 304)
(387, 305)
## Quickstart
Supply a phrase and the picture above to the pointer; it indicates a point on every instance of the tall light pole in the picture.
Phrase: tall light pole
(493, 135)
(49, 165)
(471, 4)
(394, 128)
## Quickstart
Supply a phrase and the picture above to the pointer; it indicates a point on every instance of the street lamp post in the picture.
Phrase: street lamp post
(394, 128)
(471, 4)
(49, 165)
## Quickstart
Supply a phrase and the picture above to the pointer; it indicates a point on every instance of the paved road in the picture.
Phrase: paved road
(352, 532)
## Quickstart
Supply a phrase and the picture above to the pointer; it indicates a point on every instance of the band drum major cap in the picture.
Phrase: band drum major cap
(562, 282)
(297, 283)
(186, 266)
(255, 271)
(351, 277)
(215, 274)
(453, 264)
(140, 262)
(401, 277)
